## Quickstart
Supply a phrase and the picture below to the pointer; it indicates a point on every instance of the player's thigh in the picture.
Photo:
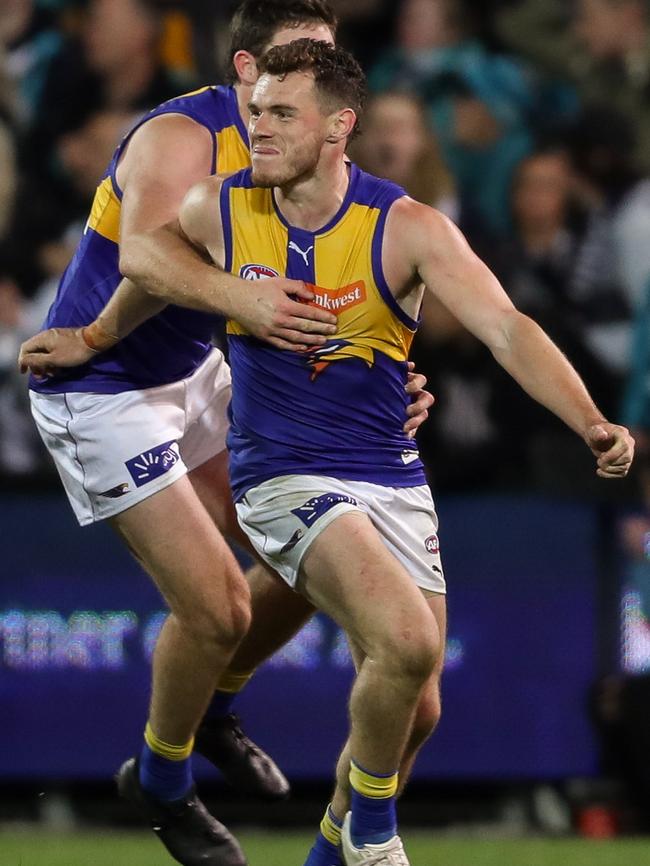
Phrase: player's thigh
(350, 574)
(429, 706)
(212, 485)
(176, 541)
(278, 613)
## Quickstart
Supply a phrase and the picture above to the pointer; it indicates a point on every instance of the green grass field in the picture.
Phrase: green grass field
(37, 848)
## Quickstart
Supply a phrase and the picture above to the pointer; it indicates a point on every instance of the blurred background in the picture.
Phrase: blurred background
(528, 123)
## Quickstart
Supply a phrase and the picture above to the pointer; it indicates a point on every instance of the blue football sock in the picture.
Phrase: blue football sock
(220, 705)
(374, 815)
(228, 687)
(165, 770)
(325, 850)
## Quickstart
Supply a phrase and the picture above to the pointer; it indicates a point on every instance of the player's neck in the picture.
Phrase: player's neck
(311, 202)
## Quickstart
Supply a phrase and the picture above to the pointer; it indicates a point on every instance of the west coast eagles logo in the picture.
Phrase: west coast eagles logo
(337, 350)
(257, 272)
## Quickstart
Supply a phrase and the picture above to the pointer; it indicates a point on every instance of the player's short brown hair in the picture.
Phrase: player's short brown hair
(256, 21)
(340, 81)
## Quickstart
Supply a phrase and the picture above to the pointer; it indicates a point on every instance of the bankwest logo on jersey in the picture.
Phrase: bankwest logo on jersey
(337, 300)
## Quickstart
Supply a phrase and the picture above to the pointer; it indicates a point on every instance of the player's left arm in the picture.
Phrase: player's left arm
(434, 250)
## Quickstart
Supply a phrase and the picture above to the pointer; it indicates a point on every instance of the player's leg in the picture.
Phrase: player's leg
(277, 611)
(326, 849)
(174, 539)
(119, 459)
(277, 614)
(370, 594)
(429, 707)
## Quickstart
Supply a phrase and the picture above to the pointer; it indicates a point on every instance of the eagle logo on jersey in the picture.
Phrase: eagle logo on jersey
(337, 350)
(257, 272)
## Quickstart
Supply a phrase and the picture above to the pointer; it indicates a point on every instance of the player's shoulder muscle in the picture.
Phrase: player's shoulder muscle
(417, 231)
(167, 147)
(200, 214)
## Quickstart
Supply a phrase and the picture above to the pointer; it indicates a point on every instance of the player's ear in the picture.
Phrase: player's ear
(246, 67)
(341, 125)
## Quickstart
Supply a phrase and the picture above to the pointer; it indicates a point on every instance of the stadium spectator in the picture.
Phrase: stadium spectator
(113, 62)
(398, 145)
(478, 102)
(613, 262)
(29, 41)
(636, 410)
(601, 45)
(463, 445)
(8, 175)
(541, 259)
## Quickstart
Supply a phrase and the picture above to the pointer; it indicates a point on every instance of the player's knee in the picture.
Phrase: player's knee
(220, 620)
(233, 616)
(239, 620)
(414, 654)
(426, 718)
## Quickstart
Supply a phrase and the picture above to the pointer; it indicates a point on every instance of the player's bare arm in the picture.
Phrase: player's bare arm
(153, 182)
(182, 263)
(423, 245)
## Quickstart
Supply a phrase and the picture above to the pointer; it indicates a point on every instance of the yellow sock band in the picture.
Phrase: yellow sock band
(233, 683)
(330, 830)
(377, 787)
(167, 750)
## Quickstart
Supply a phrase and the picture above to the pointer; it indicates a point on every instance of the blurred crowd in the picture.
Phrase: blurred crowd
(525, 121)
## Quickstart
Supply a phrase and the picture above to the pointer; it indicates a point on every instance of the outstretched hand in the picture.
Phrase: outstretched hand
(422, 401)
(613, 446)
(53, 349)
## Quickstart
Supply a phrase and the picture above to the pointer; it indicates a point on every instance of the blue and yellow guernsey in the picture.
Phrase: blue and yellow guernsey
(172, 344)
(339, 410)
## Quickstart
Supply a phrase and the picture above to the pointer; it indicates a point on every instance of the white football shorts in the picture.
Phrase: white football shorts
(284, 515)
(114, 450)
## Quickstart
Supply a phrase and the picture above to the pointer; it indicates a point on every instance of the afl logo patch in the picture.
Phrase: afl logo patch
(432, 544)
(257, 272)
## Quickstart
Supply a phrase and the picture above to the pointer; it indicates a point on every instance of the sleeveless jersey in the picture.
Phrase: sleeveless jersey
(170, 345)
(337, 410)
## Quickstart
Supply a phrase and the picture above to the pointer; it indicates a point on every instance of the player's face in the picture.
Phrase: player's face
(287, 129)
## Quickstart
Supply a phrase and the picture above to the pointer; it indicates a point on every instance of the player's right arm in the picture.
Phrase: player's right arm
(154, 181)
(163, 160)
(169, 270)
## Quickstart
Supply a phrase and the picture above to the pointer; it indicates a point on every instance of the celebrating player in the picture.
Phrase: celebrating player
(138, 438)
(327, 487)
